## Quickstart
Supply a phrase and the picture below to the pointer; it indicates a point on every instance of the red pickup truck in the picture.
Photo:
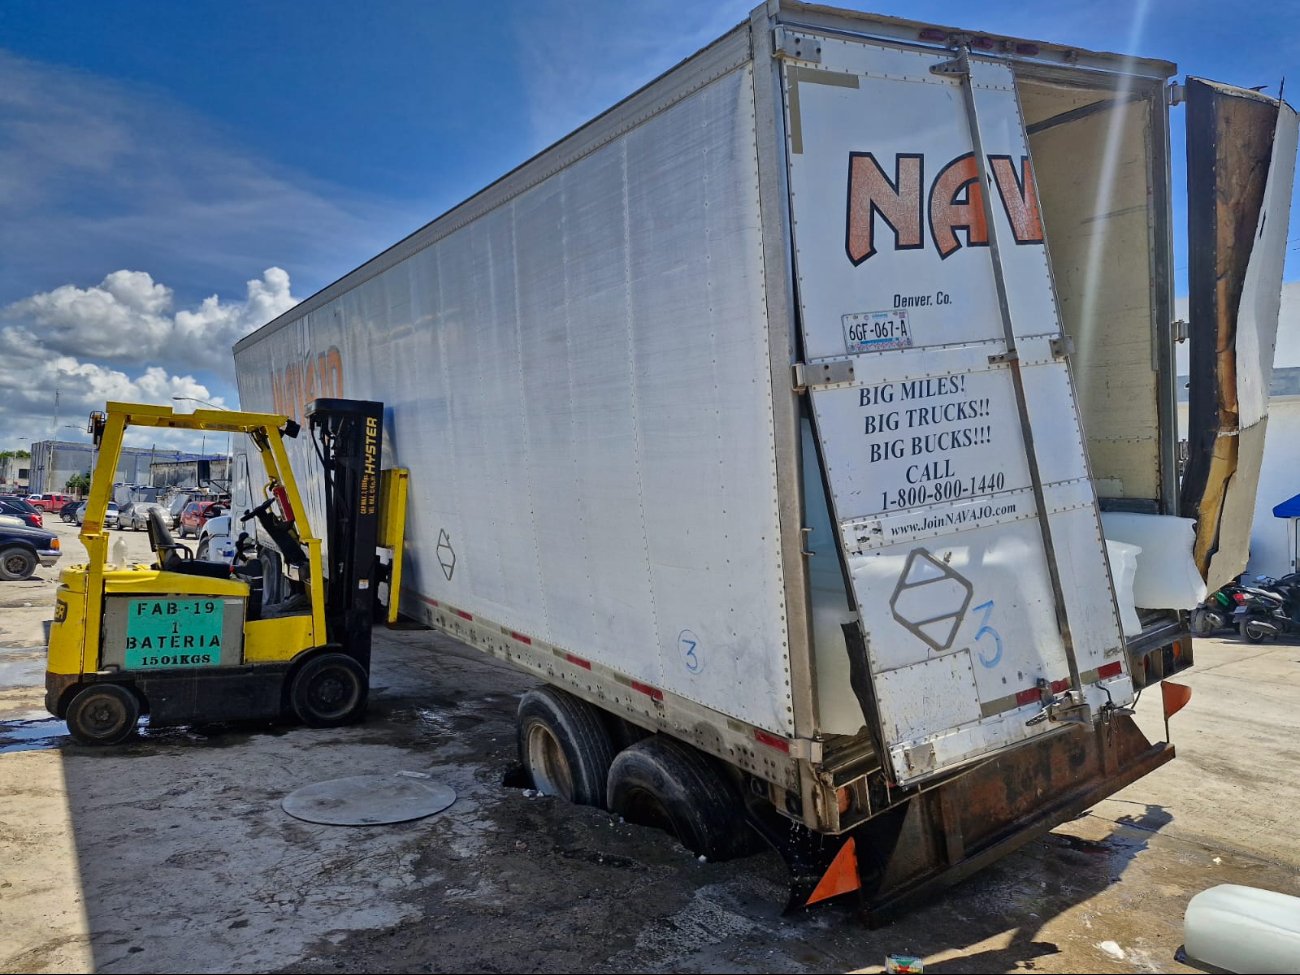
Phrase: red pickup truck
(51, 503)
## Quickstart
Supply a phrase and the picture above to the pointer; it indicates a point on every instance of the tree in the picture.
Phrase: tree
(78, 484)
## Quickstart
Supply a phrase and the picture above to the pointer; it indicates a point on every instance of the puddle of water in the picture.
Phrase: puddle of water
(27, 736)
(22, 667)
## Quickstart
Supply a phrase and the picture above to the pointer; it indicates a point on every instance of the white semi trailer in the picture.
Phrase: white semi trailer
(772, 418)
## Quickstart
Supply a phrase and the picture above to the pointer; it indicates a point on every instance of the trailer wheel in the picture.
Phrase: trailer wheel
(565, 746)
(662, 782)
(329, 690)
(103, 714)
(16, 564)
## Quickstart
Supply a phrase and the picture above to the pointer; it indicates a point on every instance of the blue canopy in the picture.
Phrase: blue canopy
(1289, 508)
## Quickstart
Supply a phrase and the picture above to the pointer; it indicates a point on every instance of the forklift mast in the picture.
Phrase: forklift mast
(347, 437)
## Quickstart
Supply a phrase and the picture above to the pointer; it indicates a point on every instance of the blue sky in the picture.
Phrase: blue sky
(157, 159)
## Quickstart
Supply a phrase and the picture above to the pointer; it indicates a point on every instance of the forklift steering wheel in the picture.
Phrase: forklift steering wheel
(257, 512)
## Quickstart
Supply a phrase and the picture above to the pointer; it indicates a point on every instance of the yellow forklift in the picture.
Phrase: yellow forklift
(283, 631)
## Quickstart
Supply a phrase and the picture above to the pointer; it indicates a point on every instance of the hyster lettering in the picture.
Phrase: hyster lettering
(956, 203)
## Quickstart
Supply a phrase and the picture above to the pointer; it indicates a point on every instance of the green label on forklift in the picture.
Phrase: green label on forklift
(173, 633)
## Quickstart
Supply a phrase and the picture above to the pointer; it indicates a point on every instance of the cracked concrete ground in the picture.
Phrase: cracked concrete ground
(171, 853)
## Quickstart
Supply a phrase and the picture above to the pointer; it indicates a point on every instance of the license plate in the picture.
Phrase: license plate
(876, 331)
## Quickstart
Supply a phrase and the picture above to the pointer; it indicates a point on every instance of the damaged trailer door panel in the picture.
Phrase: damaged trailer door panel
(1241, 148)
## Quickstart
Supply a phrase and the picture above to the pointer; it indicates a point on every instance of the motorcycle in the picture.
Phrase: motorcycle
(1269, 609)
(1217, 611)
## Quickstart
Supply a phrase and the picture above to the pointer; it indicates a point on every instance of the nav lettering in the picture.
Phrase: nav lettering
(955, 203)
(298, 383)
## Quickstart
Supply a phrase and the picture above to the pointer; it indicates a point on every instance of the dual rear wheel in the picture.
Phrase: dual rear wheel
(568, 747)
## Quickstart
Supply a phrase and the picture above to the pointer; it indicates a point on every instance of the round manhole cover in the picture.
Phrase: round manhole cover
(369, 800)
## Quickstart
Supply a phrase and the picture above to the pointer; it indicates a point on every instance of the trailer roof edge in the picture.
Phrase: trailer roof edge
(728, 52)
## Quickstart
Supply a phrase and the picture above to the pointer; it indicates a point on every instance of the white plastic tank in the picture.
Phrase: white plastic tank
(1244, 929)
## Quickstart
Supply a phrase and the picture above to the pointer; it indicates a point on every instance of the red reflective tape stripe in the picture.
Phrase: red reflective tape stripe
(654, 692)
(464, 615)
(586, 665)
(521, 638)
(1028, 696)
(772, 741)
(1109, 670)
(1060, 685)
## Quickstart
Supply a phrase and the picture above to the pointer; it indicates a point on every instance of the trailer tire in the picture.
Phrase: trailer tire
(329, 690)
(663, 782)
(103, 714)
(565, 745)
(16, 564)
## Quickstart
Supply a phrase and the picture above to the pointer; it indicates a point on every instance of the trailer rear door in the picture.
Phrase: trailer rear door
(1241, 148)
(943, 402)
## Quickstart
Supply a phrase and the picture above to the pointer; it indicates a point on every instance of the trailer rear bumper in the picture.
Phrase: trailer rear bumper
(950, 830)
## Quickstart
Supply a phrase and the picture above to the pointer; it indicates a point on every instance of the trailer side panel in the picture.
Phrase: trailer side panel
(576, 379)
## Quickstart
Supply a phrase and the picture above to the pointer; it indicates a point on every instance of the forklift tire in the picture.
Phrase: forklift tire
(329, 690)
(665, 783)
(16, 564)
(564, 745)
(103, 714)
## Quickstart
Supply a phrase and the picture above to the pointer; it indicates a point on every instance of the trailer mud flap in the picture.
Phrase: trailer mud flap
(944, 407)
(1241, 148)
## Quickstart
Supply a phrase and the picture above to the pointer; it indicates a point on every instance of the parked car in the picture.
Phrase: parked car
(110, 514)
(216, 543)
(22, 549)
(19, 508)
(175, 506)
(135, 515)
(195, 515)
(50, 502)
(69, 512)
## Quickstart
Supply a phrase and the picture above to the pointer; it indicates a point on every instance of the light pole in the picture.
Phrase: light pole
(94, 453)
(204, 442)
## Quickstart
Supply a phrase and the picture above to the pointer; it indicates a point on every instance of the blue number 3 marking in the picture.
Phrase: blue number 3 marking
(986, 630)
(689, 644)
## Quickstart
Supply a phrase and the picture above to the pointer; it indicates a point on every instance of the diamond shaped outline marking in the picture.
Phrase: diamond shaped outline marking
(944, 573)
(447, 561)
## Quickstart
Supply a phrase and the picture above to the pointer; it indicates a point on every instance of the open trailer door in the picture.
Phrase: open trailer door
(1241, 148)
(943, 403)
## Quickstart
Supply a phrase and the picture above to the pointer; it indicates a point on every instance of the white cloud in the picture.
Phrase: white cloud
(123, 340)
(218, 326)
(124, 313)
(29, 383)
(128, 318)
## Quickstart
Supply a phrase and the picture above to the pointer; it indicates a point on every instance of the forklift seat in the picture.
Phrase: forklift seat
(170, 557)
